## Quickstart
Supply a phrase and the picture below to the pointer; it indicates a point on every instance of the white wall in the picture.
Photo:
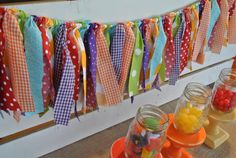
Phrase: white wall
(56, 137)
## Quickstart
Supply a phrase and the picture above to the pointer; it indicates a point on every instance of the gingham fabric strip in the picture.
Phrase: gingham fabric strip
(215, 13)
(59, 37)
(177, 42)
(159, 48)
(117, 45)
(145, 28)
(169, 54)
(184, 53)
(7, 98)
(219, 30)
(17, 62)
(127, 55)
(202, 30)
(47, 90)
(232, 25)
(64, 97)
(90, 47)
(105, 69)
(133, 85)
(34, 60)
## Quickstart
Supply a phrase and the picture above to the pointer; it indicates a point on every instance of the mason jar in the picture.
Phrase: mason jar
(192, 108)
(224, 91)
(146, 134)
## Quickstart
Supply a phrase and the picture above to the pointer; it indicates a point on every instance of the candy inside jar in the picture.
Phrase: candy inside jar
(146, 133)
(224, 98)
(192, 108)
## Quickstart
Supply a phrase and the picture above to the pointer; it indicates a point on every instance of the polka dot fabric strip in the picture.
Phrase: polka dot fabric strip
(169, 55)
(7, 98)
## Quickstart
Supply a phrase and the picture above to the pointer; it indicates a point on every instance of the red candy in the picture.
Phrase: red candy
(224, 100)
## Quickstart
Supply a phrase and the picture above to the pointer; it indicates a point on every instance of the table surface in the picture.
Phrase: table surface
(98, 145)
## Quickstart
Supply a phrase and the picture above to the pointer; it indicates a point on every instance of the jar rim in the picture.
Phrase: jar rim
(228, 76)
(155, 112)
(197, 92)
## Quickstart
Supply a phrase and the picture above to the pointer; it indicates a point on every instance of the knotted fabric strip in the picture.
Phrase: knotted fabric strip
(105, 69)
(127, 55)
(64, 97)
(133, 85)
(200, 42)
(47, 88)
(184, 53)
(145, 28)
(232, 25)
(159, 46)
(169, 48)
(91, 51)
(117, 45)
(34, 60)
(215, 13)
(17, 62)
(59, 38)
(217, 39)
(7, 98)
(177, 42)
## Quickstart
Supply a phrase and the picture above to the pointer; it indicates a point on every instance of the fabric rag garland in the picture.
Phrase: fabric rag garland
(48, 63)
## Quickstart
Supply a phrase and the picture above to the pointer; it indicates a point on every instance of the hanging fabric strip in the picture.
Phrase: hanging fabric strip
(177, 42)
(59, 37)
(47, 84)
(83, 61)
(145, 28)
(106, 71)
(232, 24)
(117, 45)
(7, 98)
(64, 97)
(133, 85)
(159, 48)
(127, 53)
(194, 17)
(185, 40)
(74, 55)
(215, 13)
(17, 62)
(202, 30)
(217, 40)
(169, 54)
(91, 51)
(34, 60)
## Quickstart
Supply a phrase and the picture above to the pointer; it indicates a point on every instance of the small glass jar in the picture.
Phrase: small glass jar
(146, 134)
(192, 108)
(224, 91)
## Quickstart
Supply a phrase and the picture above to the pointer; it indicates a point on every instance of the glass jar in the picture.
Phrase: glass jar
(192, 108)
(146, 134)
(224, 91)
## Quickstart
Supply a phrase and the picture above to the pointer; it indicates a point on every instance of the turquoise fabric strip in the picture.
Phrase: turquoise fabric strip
(215, 13)
(34, 60)
(157, 55)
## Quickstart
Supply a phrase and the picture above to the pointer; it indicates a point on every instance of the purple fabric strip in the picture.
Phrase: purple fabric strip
(176, 68)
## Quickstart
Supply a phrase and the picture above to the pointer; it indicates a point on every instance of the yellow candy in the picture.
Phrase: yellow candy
(188, 119)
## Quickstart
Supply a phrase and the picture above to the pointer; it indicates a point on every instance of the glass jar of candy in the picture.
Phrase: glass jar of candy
(192, 108)
(146, 134)
(224, 91)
